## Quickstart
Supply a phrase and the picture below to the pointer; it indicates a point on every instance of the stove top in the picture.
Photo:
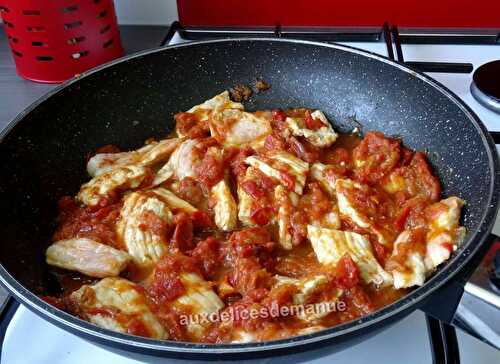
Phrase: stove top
(406, 339)
(409, 338)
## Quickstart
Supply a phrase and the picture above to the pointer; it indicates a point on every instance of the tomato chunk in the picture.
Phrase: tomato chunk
(189, 125)
(375, 157)
(312, 123)
(210, 170)
(208, 256)
(183, 233)
(261, 216)
(288, 180)
(253, 189)
(166, 285)
(201, 219)
(347, 272)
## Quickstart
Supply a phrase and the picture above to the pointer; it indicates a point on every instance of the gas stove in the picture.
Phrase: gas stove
(452, 56)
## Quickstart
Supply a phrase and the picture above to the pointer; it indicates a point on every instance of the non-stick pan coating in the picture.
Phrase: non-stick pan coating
(43, 157)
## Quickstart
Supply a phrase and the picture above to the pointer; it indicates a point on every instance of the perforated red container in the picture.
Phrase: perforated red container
(52, 40)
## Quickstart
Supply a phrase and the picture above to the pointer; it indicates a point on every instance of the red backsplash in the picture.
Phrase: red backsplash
(414, 13)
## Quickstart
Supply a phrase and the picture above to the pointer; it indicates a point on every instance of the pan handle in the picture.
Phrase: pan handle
(478, 311)
(472, 301)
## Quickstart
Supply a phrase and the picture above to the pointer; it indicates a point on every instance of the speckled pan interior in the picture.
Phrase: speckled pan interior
(43, 156)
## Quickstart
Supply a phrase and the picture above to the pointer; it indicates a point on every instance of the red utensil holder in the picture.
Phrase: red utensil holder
(52, 40)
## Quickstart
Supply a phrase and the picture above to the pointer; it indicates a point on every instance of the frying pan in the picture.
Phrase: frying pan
(42, 154)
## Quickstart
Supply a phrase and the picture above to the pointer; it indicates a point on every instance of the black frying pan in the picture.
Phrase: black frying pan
(43, 150)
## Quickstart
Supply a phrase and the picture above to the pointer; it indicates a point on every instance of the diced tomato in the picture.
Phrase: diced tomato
(303, 149)
(208, 256)
(188, 124)
(428, 183)
(376, 156)
(447, 246)
(237, 162)
(312, 123)
(210, 171)
(191, 191)
(412, 213)
(96, 223)
(102, 212)
(288, 180)
(359, 299)
(400, 221)
(247, 251)
(258, 294)
(380, 252)
(136, 326)
(103, 311)
(261, 216)
(204, 144)
(248, 275)
(347, 272)
(298, 224)
(315, 202)
(165, 284)
(254, 235)
(339, 156)
(183, 233)
(253, 189)
(177, 263)
(279, 115)
(152, 222)
(168, 289)
(265, 181)
(201, 219)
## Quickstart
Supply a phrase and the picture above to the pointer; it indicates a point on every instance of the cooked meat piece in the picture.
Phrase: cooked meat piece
(107, 185)
(406, 262)
(319, 172)
(199, 301)
(182, 163)
(146, 156)
(349, 194)
(289, 170)
(216, 104)
(331, 245)
(105, 162)
(176, 284)
(444, 233)
(418, 251)
(315, 128)
(119, 305)
(233, 127)
(286, 201)
(142, 226)
(174, 202)
(160, 151)
(88, 257)
(225, 208)
(307, 288)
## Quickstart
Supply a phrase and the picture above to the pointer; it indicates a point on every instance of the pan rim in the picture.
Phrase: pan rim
(445, 274)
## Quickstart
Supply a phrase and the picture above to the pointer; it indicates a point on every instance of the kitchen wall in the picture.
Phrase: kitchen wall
(161, 12)
(155, 12)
